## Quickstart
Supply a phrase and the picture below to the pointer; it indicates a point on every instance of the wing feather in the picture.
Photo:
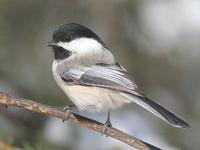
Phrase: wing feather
(108, 76)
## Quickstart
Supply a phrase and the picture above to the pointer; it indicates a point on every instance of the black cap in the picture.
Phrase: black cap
(71, 31)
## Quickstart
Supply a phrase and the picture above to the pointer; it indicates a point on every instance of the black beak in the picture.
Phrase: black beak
(51, 43)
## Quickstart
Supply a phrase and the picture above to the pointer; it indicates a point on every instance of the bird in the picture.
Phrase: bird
(93, 80)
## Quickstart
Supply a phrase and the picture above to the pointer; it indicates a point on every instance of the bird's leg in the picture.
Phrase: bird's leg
(107, 123)
(68, 110)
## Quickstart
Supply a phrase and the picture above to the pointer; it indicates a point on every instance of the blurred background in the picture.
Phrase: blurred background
(158, 42)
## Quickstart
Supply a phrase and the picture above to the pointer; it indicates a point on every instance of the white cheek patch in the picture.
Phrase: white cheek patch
(81, 45)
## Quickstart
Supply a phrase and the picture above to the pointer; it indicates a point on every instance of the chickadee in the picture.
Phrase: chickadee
(90, 76)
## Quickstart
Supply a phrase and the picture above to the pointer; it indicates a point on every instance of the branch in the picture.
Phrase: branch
(6, 146)
(8, 100)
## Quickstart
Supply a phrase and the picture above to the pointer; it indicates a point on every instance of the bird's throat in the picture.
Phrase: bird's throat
(60, 53)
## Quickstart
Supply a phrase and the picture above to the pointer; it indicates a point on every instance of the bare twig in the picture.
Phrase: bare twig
(33, 106)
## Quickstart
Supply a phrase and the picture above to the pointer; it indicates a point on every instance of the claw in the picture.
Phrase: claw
(69, 107)
(107, 125)
(68, 111)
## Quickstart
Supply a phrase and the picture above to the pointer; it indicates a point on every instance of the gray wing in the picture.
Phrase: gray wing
(107, 76)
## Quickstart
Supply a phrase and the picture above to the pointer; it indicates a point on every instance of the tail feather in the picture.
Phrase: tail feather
(170, 117)
(159, 111)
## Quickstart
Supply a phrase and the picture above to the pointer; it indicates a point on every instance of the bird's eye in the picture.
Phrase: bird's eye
(67, 38)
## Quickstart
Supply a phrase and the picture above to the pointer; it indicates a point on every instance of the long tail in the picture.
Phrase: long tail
(158, 110)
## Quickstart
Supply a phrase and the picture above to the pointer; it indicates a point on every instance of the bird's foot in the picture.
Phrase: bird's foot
(69, 107)
(107, 125)
(68, 111)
